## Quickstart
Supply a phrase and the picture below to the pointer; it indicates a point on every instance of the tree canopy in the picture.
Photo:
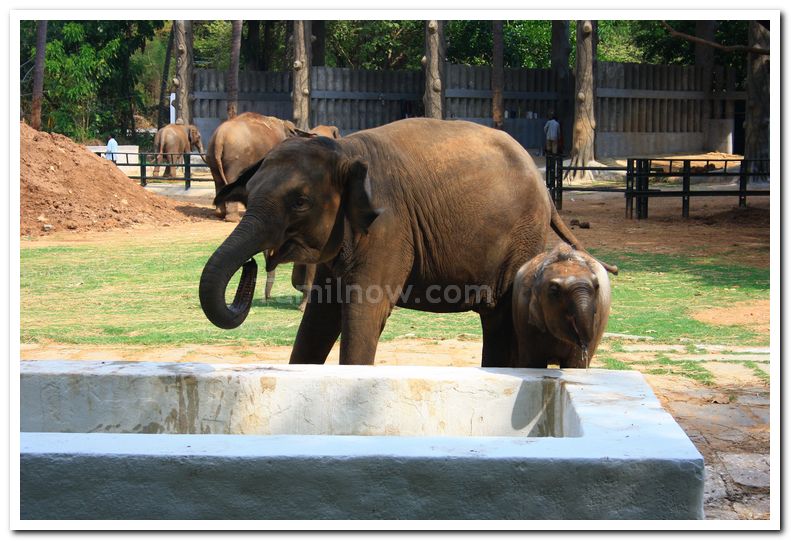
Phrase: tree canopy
(103, 76)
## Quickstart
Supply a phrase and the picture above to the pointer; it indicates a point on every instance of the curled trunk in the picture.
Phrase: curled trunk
(236, 252)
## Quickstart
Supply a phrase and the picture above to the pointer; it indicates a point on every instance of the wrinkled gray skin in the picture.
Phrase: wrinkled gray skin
(561, 303)
(243, 141)
(405, 207)
(172, 142)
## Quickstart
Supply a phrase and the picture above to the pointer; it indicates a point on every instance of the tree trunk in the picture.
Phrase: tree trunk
(434, 62)
(183, 79)
(584, 118)
(757, 110)
(498, 105)
(38, 74)
(704, 61)
(269, 45)
(318, 53)
(301, 77)
(252, 46)
(561, 51)
(288, 57)
(232, 83)
(163, 116)
(561, 48)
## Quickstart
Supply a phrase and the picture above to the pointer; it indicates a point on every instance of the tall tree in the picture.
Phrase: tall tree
(561, 51)
(269, 44)
(318, 53)
(301, 74)
(756, 144)
(251, 46)
(232, 84)
(434, 63)
(183, 79)
(164, 102)
(38, 74)
(584, 119)
(704, 60)
(498, 105)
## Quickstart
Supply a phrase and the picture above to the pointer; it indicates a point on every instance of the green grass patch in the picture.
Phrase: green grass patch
(141, 294)
(656, 294)
(693, 370)
(612, 363)
(757, 370)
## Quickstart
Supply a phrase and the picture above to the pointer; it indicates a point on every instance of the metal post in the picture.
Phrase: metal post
(646, 172)
(742, 184)
(187, 163)
(629, 188)
(559, 182)
(143, 169)
(685, 190)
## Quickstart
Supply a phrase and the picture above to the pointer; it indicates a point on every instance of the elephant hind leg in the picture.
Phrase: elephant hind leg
(498, 335)
(270, 281)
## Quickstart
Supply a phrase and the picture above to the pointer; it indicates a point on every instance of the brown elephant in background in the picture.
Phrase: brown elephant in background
(326, 131)
(561, 304)
(173, 141)
(243, 141)
(409, 214)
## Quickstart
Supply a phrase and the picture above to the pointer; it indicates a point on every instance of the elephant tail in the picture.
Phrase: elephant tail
(565, 234)
(217, 155)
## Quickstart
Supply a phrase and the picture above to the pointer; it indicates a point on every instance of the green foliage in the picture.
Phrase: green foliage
(212, 44)
(526, 44)
(383, 45)
(89, 81)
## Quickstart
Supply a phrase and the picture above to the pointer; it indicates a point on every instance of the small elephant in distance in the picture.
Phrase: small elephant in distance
(561, 303)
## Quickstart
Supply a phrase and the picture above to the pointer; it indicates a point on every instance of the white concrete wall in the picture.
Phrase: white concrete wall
(628, 458)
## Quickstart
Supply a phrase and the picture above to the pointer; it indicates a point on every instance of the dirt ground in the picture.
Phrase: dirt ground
(728, 421)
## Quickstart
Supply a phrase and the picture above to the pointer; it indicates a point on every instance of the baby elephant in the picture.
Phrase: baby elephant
(561, 303)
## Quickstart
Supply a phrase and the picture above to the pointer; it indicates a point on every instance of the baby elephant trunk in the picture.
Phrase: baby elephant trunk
(582, 312)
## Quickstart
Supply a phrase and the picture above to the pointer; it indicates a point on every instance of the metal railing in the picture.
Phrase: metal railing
(639, 171)
(148, 159)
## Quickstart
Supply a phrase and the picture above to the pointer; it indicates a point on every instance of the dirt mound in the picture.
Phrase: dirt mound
(63, 186)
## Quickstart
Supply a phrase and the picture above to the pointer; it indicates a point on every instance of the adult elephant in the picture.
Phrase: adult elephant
(173, 141)
(239, 143)
(421, 213)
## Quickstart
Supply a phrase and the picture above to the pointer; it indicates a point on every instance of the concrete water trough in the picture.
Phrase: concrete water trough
(131, 440)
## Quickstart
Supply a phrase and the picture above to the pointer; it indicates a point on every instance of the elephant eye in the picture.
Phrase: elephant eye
(554, 289)
(302, 202)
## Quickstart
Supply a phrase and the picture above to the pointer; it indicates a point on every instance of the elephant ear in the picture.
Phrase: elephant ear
(535, 315)
(237, 190)
(357, 196)
(293, 131)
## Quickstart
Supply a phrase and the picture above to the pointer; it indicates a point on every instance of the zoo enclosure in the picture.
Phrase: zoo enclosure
(639, 171)
(640, 108)
(148, 159)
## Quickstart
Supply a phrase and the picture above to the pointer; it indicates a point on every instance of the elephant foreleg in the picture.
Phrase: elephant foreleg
(321, 323)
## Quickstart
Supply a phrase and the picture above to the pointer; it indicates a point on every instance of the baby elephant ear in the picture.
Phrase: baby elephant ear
(357, 197)
(535, 313)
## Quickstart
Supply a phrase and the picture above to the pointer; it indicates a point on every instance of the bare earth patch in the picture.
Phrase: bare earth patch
(754, 314)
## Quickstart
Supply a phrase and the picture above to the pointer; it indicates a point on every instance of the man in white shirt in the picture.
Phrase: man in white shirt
(552, 133)
(112, 149)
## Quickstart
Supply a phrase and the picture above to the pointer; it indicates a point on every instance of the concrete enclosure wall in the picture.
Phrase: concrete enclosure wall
(445, 443)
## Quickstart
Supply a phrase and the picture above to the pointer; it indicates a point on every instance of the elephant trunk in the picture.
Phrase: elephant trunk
(237, 251)
(582, 314)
